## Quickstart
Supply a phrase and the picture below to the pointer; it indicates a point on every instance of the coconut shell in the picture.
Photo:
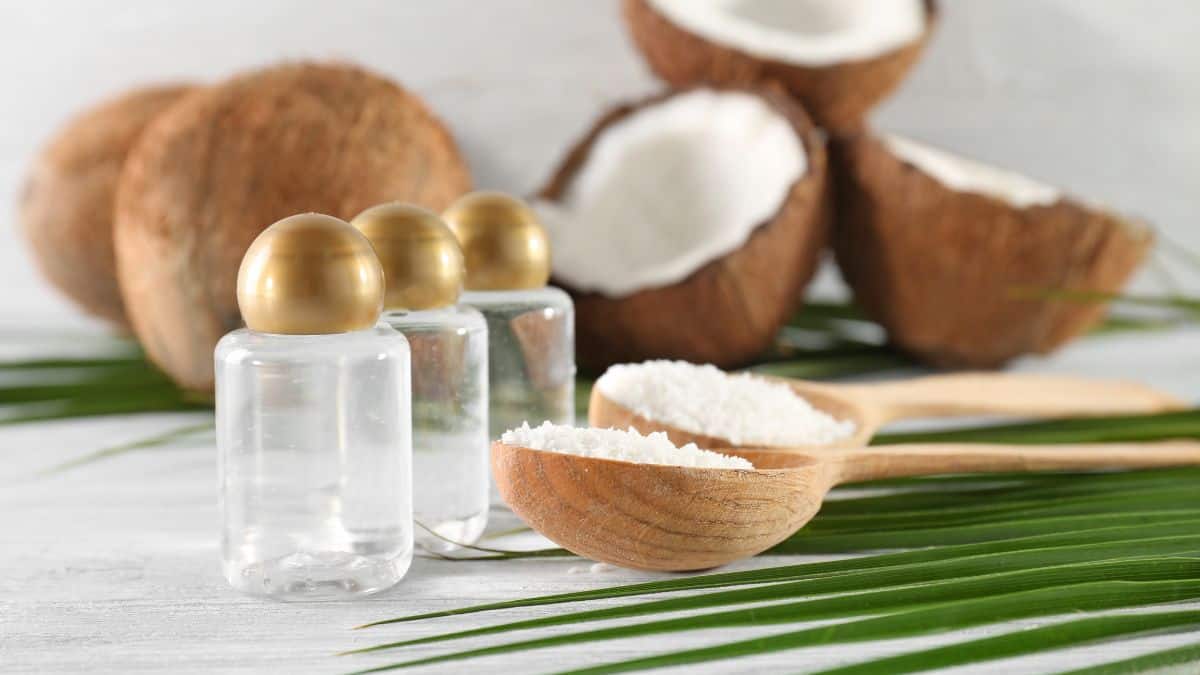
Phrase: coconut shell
(837, 96)
(67, 204)
(728, 311)
(950, 274)
(224, 163)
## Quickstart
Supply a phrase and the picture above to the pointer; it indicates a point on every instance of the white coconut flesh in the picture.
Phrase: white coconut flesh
(964, 175)
(801, 32)
(670, 188)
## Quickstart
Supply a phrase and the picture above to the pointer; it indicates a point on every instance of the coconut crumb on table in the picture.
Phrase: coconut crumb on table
(741, 408)
(594, 568)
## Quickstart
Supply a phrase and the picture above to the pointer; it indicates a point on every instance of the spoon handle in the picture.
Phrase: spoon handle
(926, 459)
(1010, 394)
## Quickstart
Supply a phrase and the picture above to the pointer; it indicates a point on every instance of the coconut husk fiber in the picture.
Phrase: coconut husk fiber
(66, 207)
(225, 162)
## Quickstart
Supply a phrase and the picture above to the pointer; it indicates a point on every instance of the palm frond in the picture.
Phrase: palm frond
(1182, 582)
(1145, 663)
(1044, 638)
(902, 587)
(153, 441)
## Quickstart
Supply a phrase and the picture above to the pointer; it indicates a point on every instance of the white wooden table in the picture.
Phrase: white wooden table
(112, 566)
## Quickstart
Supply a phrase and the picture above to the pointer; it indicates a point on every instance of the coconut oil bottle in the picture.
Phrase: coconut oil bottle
(531, 354)
(313, 420)
(423, 269)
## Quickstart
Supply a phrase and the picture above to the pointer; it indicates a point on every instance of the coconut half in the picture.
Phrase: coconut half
(221, 165)
(687, 225)
(949, 254)
(839, 57)
(67, 203)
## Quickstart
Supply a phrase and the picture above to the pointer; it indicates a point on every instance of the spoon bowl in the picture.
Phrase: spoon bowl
(659, 517)
(871, 406)
(674, 518)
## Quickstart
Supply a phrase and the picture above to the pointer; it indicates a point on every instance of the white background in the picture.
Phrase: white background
(1101, 97)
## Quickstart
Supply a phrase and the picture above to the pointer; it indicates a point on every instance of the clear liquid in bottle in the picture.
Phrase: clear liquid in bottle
(314, 446)
(531, 357)
(450, 432)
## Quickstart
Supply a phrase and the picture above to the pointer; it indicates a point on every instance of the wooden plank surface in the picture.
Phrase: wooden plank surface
(112, 566)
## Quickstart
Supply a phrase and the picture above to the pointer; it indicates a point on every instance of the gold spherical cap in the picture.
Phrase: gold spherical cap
(422, 263)
(504, 245)
(310, 274)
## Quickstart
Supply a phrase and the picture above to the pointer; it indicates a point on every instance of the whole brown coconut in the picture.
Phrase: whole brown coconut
(729, 310)
(216, 169)
(67, 204)
(838, 96)
(954, 276)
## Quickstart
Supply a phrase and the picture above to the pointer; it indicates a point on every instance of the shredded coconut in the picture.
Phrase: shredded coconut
(627, 446)
(740, 408)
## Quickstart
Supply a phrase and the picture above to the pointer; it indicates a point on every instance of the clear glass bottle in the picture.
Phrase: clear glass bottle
(423, 268)
(531, 356)
(313, 421)
(531, 326)
(450, 436)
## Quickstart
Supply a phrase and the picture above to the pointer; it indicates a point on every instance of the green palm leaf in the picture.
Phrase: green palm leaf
(851, 542)
(1116, 428)
(1103, 500)
(143, 400)
(1091, 596)
(1187, 654)
(911, 585)
(1100, 536)
(936, 492)
(976, 512)
(133, 358)
(1057, 636)
(154, 441)
(1183, 583)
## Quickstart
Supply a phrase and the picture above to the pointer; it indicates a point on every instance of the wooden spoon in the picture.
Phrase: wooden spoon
(656, 517)
(873, 405)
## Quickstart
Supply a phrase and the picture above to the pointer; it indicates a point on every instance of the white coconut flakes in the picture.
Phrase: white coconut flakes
(627, 446)
(741, 408)
(672, 187)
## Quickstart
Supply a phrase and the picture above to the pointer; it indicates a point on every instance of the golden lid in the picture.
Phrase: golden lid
(422, 264)
(310, 274)
(502, 241)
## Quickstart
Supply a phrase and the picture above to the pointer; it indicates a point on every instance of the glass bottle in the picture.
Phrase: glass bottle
(531, 326)
(313, 420)
(423, 269)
